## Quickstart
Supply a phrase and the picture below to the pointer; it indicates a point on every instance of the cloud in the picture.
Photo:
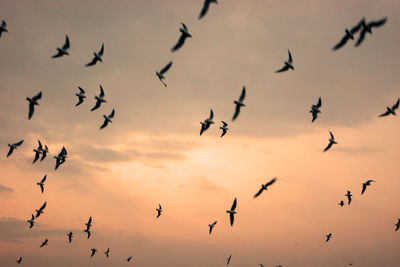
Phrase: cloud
(5, 189)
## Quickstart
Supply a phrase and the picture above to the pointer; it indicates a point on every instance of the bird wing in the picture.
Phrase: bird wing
(395, 106)
(224, 123)
(236, 114)
(271, 182)
(363, 188)
(90, 220)
(66, 45)
(290, 57)
(166, 68)
(385, 114)
(80, 101)
(232, 218)
(44, 179)
(105, 123)
(41, 188)
(91, 63)
(360, 38)
(31, 110)
(243, 94)
(284, 68)
(98, 103)
(319, 104)
(180, 43)
(19, 143)
(223, 132)
(40, 147)
(112, 114)
(314, 116)
(37, 97)
(205, 8)
(184, 27)
(234, 204)
(101, 91)
(59, 54)
(357, 27)
(259, 192)
(377, 23)
(81, 90)
(101, 52)
(211, 117)
(332, 137)
(3, 24)
(10, 151)
(328, 146)
(43, 206)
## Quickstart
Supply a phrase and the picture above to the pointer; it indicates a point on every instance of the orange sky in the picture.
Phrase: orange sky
(152, 152)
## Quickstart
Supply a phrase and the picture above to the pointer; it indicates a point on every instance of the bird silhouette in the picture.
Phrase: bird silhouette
(367, 28)
(107, 252)
(160, 74)
(224, 128)
(315, 110)
(70, 235)
(13, 147)
(60, 158)
(331, 142)
(159, 210)
(206, 6)
(341, 203)
(207, 122)
(107, 119)
(397, 225)
(288, 64)
(19, 260)
(228, 260)
(41, 209)
(211, 226)
(391, 110)
(232, 212)
(32, 103)
(348, 195)
(99, 99)
(45, 243)
(81, 96)
(63, 50)
(37, 151)
(3, 27)
(97, 57)
(31, 221)
(184, 35)
(265, 187)
(239, 103)
(93, 251)
(41, 183)
(328, 237)
(364, 185)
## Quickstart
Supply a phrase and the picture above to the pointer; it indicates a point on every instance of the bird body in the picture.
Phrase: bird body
(93, 251)
(159, 210)
(211, 226)
(315, 110)
(69, 237)
(341, 203)
(19, 260)
(41, 209)
(60, 158)
(228, 260)
(107, 252)
(397, 225)
(45, 242)
(348, 195)
(81, 96)
(328, 237)
(3, 27)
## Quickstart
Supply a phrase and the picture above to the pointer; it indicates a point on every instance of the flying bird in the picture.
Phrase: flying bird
(349, 35)
(129, 259)
(81, 96)
(207, 122)
(206, 6)
(315, 110)
(160, 74)
(44, 152)
(107, 252)
(232, 212)
(14, 146)
(60, 158)
(159, 210)
(93, 252)
(331, 142)
(367, 183)
(45, 242)
(32, 103)
(3, 27)
(391, 110)
(97, 57)
(348, 195)
(40, 211)
(89, 223)
(19, 260)
(341, 203)
(211, 226)
(288, 64)
(37, 151)
(397, 225)
(69, 237)
(228, 260)
(41, 183)
(224, 128)
(265, 187)
(107, 119)
(99, 99)
(328, 237)
(367, 28)
(31, 221)
(239, 103)
(184, 34)
(63, 50)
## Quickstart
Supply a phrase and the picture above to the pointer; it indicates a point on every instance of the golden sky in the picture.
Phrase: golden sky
(152, 152)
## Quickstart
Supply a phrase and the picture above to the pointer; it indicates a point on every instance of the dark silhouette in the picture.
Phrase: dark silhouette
(81, 96)
(32, 103)
(341, 203)
(93, 251)
(232, 212)
(97, 57)
(228, 260)
(45, 242)
(13, 146)
(20, 258)
(288, 64)
(211, 226)
(159, 210)
(239, 103)
(207, 122)
(41, 183)
(367, 28)
(37, 151)
(224, 128)
(31, 221)
(107, 119)
(60, 159)
(69, 237)
(367, 183)
(391, 110)
(41, 209)
(184, 34)
(315, 110)
(348, 195)
(331, 142)
(265, 187)
(160, 74)
(63, 50)
(206, 6)
(397, 225)
(328, 237)
(3, 27)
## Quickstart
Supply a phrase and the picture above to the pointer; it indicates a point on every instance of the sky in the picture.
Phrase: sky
(152, 152)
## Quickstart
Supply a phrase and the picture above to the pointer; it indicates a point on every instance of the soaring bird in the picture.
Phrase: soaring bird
(19, 260)
(331, 142)
(348, 195)
(239, 103)
(184, 34)
(93, 252)
(391, 110)
(45, 242)
(40, 211)
(89, 223)
(159, 210)
(14, 146)
(367, 28)
(206, 6)
(69, 237)
(265, 187)
(315, 110)
(107, 252)
(397, 225)
(41, 183)
(32, 103)
(81, 96)
(99, 99)
(31, 221)
(97, 57)
(232, 212)
(341, 203)
(60, 158)
(288, 64)
(228, 260)
(37, 151)
(129, 259)
(328, 237)
(349, 35)
(160, 74)
(3, 27)
(63, 50)
(224, 128)
(44, 152)
(107, 119)
(211, 226)
(207, 122)
(367, 183)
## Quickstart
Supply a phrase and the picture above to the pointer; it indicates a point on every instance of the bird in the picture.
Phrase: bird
(397, 225)
(37, 151)
(349, 35)
(224, 128)
(107, 119)
(328, 237)
(239, 103)
(160, 74)
(207, 122)
(265, 187)
(40, 211)
(89, 223)
(348, 195)
(3, 27)
(228, 260)
(69, 237)
(315, 110)
(97, 57)
(63, 50)
(41, 183)
(211, 226)
(367, 183)
(232, 212)
(341, 203)
(81, 96)
(288, 64)
(184, 34)
(32, 103)
(60, 158)
(391, 110)
(88, 233)
(44, 152)
(93, 252)
(31, 221)
(99, 99)
(159, 210)
(107, 252)
(13, 146)
(206, 6)
(129, 259)
(331, 142)
(367, 28)
(45, 242)
(19, 260)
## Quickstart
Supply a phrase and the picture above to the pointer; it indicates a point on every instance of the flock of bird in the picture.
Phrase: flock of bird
(41, 151)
